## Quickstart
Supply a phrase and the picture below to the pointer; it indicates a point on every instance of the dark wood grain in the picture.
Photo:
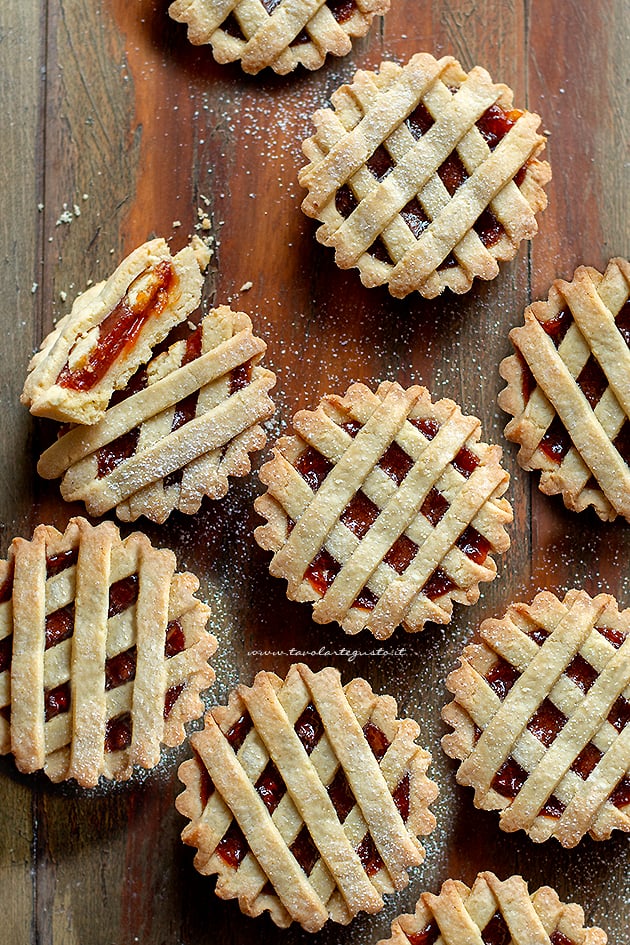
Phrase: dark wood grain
(106, 98)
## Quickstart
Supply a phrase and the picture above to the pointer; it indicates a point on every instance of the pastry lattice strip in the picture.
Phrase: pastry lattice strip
(383, 150)
(178, 439)
(575, 357)
(541, 717)
(398, 539)
(493, 911)
(327, 787)
(103, 652)
(278, 33)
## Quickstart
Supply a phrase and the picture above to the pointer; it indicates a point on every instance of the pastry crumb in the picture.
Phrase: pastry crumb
(176, 223)
(246, 286)
(63, 295)
(77, 210)
(34, 288)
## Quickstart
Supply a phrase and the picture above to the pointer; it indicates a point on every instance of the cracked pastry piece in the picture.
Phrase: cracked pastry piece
(494, 912)
(383, 509)
(424, 177)
(103, 652)
(307, 798)
(111, 330)
(282, 34)
(541, 717)
(183, 425)
(569, 390)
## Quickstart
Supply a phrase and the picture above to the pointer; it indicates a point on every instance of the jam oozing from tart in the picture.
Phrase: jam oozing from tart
(6, 652)
(501, 677)
(556, 442)
(122, 594)
(427, 936)
(120, 329)
(56, 701)
(111, 455)
(496, 931)
(304, 850)
(558, 326)
(546, 723)
(55, 564)
(313, 467)
(120, 669)
(538, 635)
(488, 228)
(59, 625)
(118, 732)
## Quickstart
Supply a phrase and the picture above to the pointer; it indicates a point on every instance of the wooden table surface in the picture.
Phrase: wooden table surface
(107, 107)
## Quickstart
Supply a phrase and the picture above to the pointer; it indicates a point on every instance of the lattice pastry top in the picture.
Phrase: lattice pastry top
(183, 425)
(424, 176)
(111, 329)
(103, 652)
(307, 798)
(384, 509)
(569, 390)
(493, 912)
(541, 717)
(278, 33)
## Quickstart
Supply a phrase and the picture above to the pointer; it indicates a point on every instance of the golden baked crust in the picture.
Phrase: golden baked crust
(103, 652)
(423, 176)
(384, 509)
(307, 798)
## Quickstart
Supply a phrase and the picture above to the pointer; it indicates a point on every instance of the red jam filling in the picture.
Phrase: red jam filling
(185, 411)
(233, 847)
(342, 10)
(396, 463)
(120, 669)
(587, 761)
(305, 851)
(401, 554)
(419, 121)
(509, 780)
(322, 571)
(240, 377)
(452, 173)
(206, 787)
(501, 677)
(313, 467)
(55, 564)
(473, 544)
(122, 595)
(538, 635)
(434, 507)
(370, 857)
(309, 728)
(232, 27)
(120, 330)
(465, 462)
(6, 588)
(615, 637)
(171, 697)
(351, 427)
(379, 250)
(559, 938)
(401, 797)
(495, 123)
(581, 673)
(620, 797)
(380, 163)
(428, 427)
(270, 787)
(558, 326)
(341, 795)
(592, 381)
(345, 201)
(619, 715)
(359, 515)
(556, 442)
(496, 931)
(376, 739)
(59, 626)
(118, 733)
(622, 442)
(56, 701)
(6, 650)
(546, 723)
(239, 731)
(111, 455)
(427, 936)
(415, 217)
(438, 584)
(623, 322)
(175, 639)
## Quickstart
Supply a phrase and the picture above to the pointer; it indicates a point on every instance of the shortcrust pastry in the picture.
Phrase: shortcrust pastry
(541, 717)
(494, 912)
(569, 390)
(111, 330)
(424, 177)
(383, 509)
(282, 34)
(103, 652)
(183, 425)
(307, 798)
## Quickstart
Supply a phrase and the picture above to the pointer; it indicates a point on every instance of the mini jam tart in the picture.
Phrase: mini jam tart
(569, 390)
(282, 34)
(111, 330)
(384, 509)
(495, 913)
(540, 717)
(185, 423)
(307, 798)
(424, 176)
(103, 652)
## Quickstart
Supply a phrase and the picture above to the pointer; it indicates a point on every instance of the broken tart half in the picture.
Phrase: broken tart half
(103, 652)
(307, 797)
